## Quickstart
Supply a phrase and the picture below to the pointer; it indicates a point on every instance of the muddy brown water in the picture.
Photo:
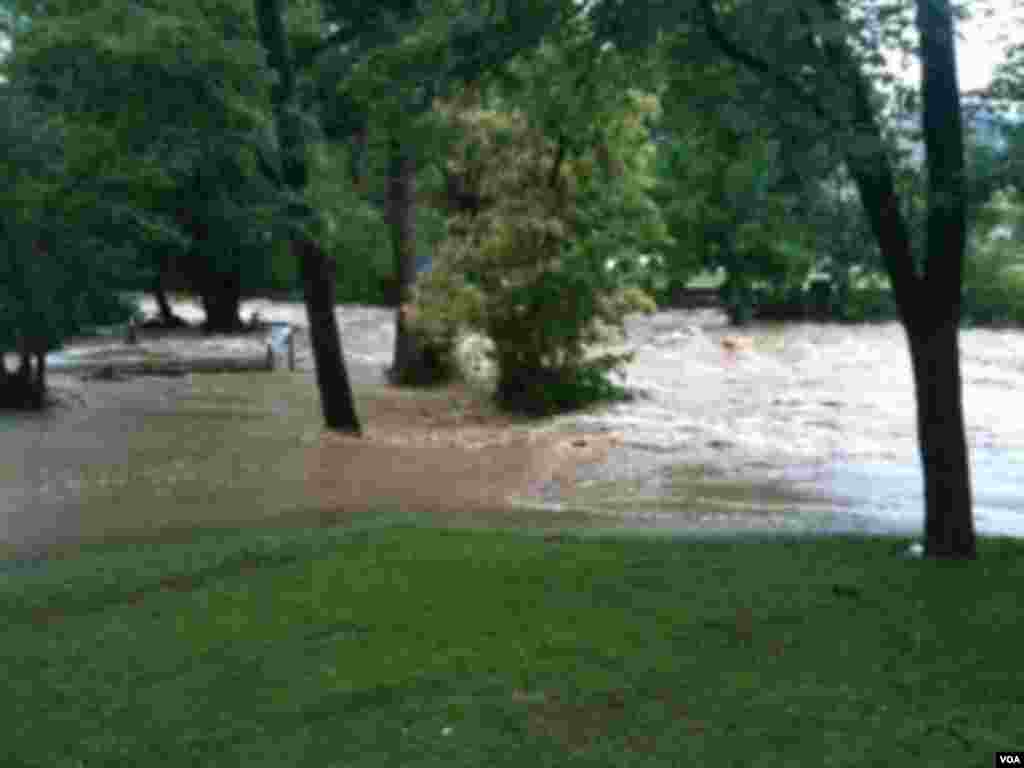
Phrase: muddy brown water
(799, 428)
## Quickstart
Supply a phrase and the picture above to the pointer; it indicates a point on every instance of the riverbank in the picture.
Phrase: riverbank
(150, 455)
(802, 427)
(375, 646)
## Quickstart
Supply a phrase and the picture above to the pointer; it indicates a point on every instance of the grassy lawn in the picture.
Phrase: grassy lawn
(397, 645)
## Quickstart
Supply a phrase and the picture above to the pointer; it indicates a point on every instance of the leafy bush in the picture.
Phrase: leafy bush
(870, 300)
(529, 269)
(993, 289)
(993, 292)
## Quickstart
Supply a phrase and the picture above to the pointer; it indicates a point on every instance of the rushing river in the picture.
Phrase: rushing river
(823, 409)
(772, 427)
(818, 417)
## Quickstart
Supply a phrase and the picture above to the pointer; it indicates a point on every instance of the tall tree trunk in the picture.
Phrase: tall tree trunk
(16, 386)
(929, 302)
(25, 373)
(221, 296)
(414, 363)
(336, 398)
(949, 523)
(949, 528)
(25, 389)
(167, 317)
(39, 388)
(219, 292)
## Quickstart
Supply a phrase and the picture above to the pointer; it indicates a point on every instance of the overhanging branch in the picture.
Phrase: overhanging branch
(717, 35)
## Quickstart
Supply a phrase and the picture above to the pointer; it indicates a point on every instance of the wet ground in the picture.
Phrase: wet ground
(797, 428)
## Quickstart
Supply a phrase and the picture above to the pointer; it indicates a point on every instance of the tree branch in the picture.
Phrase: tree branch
(756, 64)
(874, 176)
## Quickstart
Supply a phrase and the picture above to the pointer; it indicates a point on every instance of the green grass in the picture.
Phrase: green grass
(410, 646)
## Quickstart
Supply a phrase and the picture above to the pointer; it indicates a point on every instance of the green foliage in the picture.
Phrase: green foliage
(729, 207)
(741, 181)
(993, 291)
(56, 275)
(175, 147)
(530, 269)
(868, 298)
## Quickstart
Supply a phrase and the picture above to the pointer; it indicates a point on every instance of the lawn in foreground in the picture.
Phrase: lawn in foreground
(412, 646)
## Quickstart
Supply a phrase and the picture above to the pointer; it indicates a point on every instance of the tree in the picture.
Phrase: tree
(56, 276)
(816, 54)
(537, 221)
(409, 72)
(389, 89)
(182, 152)
(317, 279)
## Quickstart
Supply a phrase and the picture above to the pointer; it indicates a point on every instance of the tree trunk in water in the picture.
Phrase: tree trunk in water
(317, 276)
(948, 525)
(331, 375)
(221, 297)
(415, 363)
(23, 389)
(934, 349)
(929, 302)
(39, 389)
(167, 317)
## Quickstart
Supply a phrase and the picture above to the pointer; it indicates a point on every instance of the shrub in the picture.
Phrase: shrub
(993, 291)
(529, 268)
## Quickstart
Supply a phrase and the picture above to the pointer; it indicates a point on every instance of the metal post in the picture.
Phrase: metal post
(291, 349)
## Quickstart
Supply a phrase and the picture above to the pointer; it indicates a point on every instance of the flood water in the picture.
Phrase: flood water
(823, 409)
(803, 427)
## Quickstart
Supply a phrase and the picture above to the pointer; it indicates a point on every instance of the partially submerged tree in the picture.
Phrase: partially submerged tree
(817, 54)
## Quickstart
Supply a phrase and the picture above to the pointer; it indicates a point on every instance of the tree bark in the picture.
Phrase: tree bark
(219, 292)
(39, 390)
(414, 363)
(336, 398)
(928, 301)
(949, 522)
(949, 528)
(25, 389)
(221, 297)
(167, 317)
